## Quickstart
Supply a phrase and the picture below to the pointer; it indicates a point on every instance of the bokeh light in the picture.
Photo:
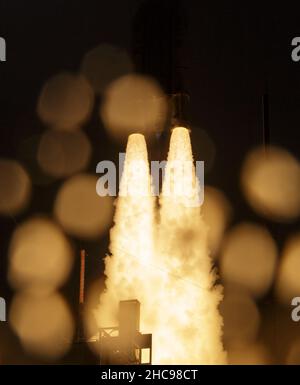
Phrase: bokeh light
(105, 63)
(43, 324)
(271, 183)
(40, 256)
(240, 314)
(249, 257)
(28, 155)
(248, 354)
(133, 103)
(11, 351)
(80, 210)
(15, 188)
(293, 355)
(288, 278)
(63, 153)
(216, 211)
(66, 101)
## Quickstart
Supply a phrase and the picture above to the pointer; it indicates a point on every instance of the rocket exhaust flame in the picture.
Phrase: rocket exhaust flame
(131, 237)
(164, 263)
(192, 319)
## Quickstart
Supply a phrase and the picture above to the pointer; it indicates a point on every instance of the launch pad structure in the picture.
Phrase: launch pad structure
(125, 344)
(118, 345)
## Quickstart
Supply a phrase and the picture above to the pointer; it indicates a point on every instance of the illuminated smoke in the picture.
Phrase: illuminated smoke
(171, 277)
(131, 243)
(191, 327)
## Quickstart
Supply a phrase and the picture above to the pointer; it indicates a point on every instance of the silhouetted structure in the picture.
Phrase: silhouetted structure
(159, 50)
(125, 344)
(81, 352)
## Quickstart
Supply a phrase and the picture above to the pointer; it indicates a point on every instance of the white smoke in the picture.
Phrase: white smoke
(164, 263)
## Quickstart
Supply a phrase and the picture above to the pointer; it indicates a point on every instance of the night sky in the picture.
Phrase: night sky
(232, 53)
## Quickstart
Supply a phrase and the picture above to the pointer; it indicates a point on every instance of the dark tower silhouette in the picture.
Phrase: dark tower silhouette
(125, 344)
(158, 50)
(159, 29)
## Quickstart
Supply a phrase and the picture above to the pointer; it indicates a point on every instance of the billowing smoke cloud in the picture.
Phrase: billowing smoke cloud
(164, 262)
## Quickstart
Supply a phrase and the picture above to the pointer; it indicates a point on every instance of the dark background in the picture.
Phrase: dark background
(231, 53)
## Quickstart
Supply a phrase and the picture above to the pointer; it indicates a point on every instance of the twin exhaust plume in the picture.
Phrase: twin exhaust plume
(161, 259)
